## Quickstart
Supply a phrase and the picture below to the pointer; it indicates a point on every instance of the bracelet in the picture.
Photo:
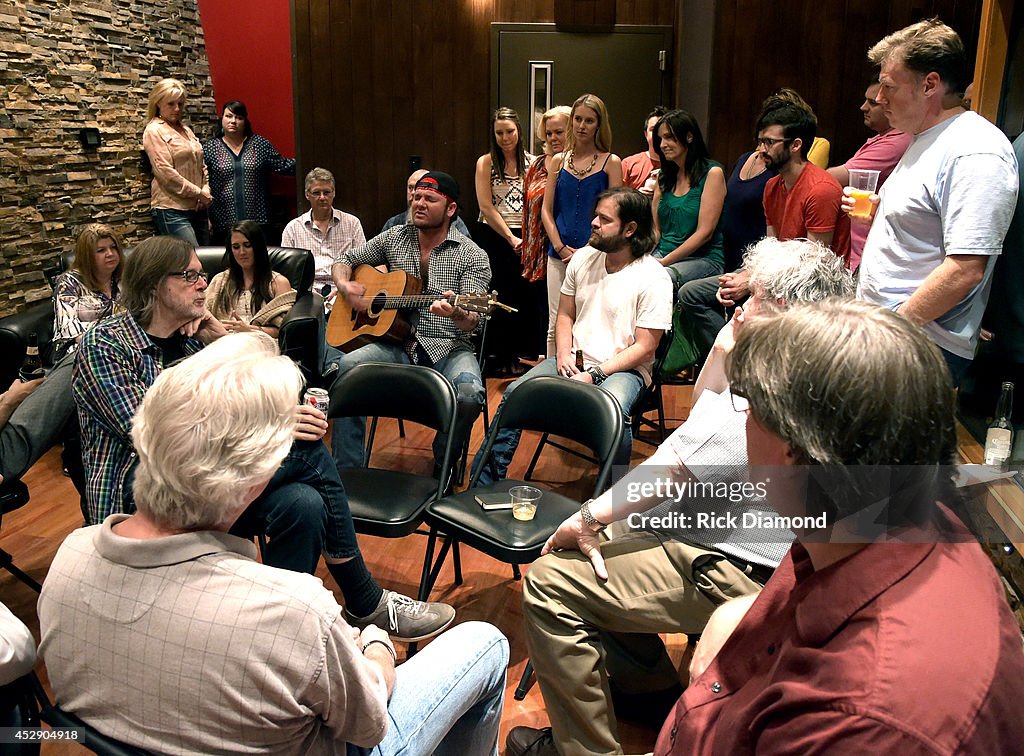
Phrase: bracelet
(589, 520)
(597, 375)
(559, 252)
(388, 646)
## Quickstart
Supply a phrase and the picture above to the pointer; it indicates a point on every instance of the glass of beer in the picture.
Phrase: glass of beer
(863, 184)
(524, 501)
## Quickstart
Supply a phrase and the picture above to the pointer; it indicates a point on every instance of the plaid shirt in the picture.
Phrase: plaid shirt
(456, 264)
(115, 366)
(344, 232)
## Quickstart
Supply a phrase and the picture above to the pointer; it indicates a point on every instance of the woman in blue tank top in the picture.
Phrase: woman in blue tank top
(688, 201)
(577, 176)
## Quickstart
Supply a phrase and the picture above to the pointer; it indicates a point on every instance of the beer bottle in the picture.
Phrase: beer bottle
(999, 438)
(579, 360)
(31, 366)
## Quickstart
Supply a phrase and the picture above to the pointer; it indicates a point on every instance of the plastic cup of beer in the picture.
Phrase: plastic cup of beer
(524, 501)
(863, 184)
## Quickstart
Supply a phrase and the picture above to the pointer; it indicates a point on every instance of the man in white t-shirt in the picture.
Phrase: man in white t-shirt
(945, 209)
(616, 302)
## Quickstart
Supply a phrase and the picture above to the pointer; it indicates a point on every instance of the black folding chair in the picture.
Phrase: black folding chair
(546, 404)
(390, 503)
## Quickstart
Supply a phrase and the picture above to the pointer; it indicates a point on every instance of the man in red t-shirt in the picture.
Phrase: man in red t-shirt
(640, 171)
(803, 201)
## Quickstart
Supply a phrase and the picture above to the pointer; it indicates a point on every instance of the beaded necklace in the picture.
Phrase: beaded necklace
(572, 168)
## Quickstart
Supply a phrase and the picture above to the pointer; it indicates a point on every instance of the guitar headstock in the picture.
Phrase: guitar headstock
(482, 303)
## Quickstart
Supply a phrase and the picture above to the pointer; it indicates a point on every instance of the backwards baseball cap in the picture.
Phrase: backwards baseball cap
(440, 182)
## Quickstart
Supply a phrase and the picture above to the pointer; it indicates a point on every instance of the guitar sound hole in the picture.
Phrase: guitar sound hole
(377, 304)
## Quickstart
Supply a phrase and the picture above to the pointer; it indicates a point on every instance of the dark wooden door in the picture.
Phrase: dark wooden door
(534, 66)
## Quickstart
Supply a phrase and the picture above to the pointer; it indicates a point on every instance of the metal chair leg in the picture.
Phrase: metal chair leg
(525, 682)
(430, 572)
(457, 561)
(516, 574)
(536, 456)
(7, 563)
(428, 558)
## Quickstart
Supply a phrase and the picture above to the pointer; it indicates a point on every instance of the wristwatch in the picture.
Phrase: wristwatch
(597, 375)
(589, 520)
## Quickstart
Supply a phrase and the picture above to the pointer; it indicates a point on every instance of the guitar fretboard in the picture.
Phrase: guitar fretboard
(408, 301)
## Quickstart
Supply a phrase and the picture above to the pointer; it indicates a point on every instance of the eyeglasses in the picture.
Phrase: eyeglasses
(739, 402)
(191, 276)
(769, 142)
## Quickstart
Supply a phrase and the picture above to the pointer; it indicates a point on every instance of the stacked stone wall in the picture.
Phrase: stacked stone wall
(67, 65)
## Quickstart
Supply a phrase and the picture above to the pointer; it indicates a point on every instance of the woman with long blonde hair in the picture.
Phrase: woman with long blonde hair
(585, 169)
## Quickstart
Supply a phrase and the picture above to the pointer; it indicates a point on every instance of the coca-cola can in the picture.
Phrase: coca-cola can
(318, 397)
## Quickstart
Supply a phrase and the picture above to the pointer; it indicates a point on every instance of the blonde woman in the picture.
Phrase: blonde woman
(88, 292)
(180, 187)
(585, 169)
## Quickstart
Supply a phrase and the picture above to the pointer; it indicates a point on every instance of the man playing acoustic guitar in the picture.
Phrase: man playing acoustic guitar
(447, 263)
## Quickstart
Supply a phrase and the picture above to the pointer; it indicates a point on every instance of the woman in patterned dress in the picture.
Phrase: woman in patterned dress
(534, 254)
(499, 194)
(88, 292)
(240, 163)
(235, 295)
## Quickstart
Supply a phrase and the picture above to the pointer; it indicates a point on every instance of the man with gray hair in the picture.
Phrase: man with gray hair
(594, 607)
(304, 510)
(203, 649)
(943, 213)
(323, 230)
(857, 642)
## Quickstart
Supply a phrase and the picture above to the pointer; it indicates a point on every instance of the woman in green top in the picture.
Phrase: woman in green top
(688, 200)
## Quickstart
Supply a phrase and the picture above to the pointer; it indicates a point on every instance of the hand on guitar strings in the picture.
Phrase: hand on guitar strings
(355, 294)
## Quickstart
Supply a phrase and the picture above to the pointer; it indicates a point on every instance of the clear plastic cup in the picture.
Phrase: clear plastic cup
(863, 183)
(524, 501)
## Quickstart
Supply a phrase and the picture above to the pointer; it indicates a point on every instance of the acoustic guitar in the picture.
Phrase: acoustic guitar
(386, 295)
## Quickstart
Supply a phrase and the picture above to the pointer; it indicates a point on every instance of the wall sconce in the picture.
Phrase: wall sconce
(90, 138)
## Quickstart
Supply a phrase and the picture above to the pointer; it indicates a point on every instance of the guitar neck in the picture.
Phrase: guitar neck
(413, 301)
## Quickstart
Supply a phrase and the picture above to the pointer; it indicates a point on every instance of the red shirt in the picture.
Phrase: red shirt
(636, 169)
(813, 204)
(880, 153)
(898, 649)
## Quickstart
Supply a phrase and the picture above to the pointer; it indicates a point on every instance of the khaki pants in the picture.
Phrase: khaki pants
(581, 630)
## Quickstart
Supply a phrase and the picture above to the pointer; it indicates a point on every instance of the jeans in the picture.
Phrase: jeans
(957, 366)
(448, 697)
(625, 387)
(190, 225)
(303, 511)
(555, 278)
(698, 304)
(692, 269)
(38, 422)
(460, 367)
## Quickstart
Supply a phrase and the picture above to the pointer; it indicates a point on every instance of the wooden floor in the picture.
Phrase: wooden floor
(33, 534)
